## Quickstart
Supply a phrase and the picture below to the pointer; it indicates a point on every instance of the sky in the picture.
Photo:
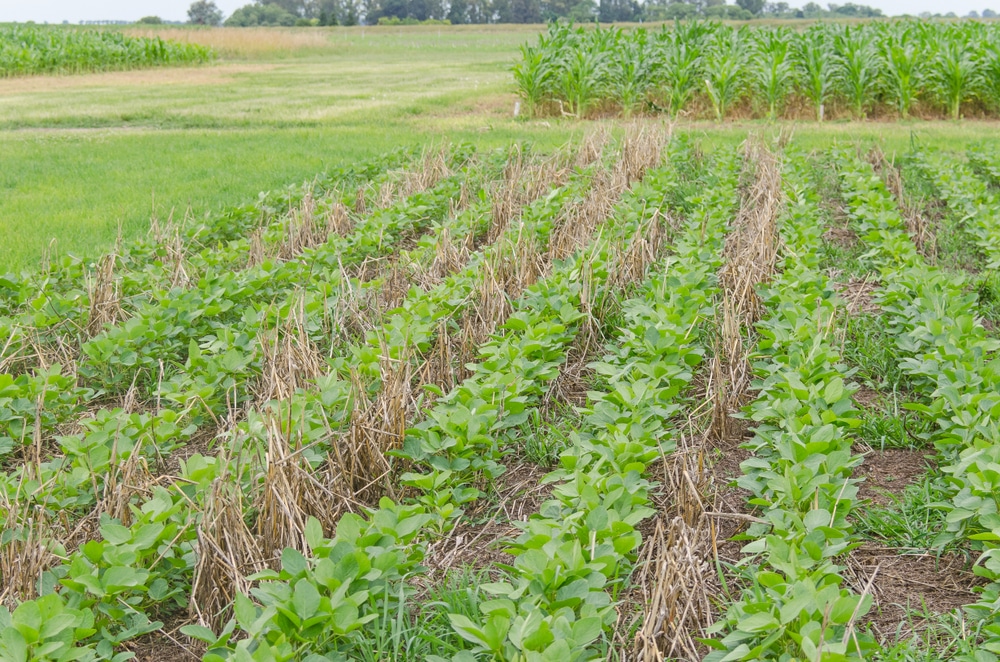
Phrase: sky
(74, 11)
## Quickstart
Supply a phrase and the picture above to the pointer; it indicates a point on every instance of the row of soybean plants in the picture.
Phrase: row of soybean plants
(898, 67)
(29, 49)
(104, 587)
(968, 197)
(143, 568)
(794, 604)
(451, 453)
(952, 362)
(573, 558)
(188, 345)
(53, 307)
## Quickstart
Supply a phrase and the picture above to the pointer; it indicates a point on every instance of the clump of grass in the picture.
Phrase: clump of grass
(871, 348)
(927, 636)
(988, 290)
(885, 431)
(911, 520)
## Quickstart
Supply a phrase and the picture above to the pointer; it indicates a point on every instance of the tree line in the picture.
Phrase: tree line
(370, 12)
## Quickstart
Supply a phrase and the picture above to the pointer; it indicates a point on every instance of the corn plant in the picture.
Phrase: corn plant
(629, 75)
(865, 67)
(857, 67)
(955, 73)
(771, 69)
(534, 75)
(901, 62)
(580, 79)
(815, 60)
(26, 50)
(723, 65)
(679, 71)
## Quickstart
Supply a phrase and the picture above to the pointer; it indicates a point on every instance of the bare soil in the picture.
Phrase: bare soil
(886, 473)
(899, 582)
(859, 294)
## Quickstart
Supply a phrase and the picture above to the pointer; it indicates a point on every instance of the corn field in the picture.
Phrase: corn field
(26, 50)
(709, 70)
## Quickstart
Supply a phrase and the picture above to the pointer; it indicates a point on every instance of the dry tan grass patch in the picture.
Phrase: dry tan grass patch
(677, 560)
(289, 359)
(291, 491)
(228, 551)
(750, 255)
(26, 555)
(359, 469)
(104, 293)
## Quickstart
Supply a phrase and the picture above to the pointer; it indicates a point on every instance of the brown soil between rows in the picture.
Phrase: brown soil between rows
(730, 500)
(886, 473)
(520, 493)
(859, 295)
(901, 582)
(167, 644)
(867, 398)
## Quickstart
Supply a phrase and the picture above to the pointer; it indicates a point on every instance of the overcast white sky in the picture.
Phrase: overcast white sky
(57, 11)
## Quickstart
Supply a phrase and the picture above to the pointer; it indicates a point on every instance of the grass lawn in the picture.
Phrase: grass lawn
(81, 156)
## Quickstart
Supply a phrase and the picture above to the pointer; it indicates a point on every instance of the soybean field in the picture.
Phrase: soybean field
(630, 399)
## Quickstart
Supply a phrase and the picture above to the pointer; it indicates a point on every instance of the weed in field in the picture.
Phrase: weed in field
(545, 440)
(928, 636)
(988, 290)
(912, 521)
(871, 348)
(883, 431)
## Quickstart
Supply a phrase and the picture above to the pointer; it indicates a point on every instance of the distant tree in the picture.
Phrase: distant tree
(351, 14)
(617, 11)
(204, 12)
(553, 9)
(150, 20)
(583, 11)
(525, 11)
(260, 14)
(989, 13)
(680, 11)
(458, 12)
(299, 8)
(755, 7)
(479, 11)
(854, 11)
(972, 14)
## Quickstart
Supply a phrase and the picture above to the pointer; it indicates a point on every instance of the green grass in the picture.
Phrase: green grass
(892, 429)
(988, 288)
(70, 191)
(927, 636)
(871, 349)
(910, 521)
(81, 155)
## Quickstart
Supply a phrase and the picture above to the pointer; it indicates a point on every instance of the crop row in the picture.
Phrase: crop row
(35, 50)
(951, 362)
(64, 300)
(450, 453)
(189, 346)
(115, 445)
(794, 605)
(699, 68)
(576, 552)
